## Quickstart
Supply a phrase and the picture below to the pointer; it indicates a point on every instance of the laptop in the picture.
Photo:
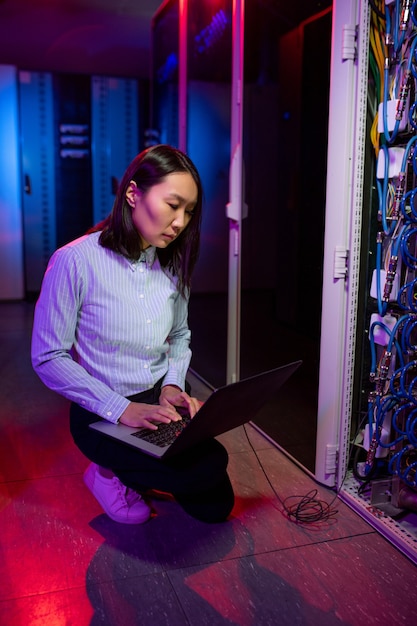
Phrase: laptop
(226, 408)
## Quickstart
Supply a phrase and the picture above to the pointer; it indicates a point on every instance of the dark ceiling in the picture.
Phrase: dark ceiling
(86, 36)
(100, 36)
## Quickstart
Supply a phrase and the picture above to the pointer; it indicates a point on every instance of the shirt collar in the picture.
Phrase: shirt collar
(146, 256)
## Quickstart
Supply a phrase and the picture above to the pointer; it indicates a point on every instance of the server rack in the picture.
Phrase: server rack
(115, 123)
(367, 398)
(62, 165)
(37, 131)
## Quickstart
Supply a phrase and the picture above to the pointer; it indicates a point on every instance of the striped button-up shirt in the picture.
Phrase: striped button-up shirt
(106, 327)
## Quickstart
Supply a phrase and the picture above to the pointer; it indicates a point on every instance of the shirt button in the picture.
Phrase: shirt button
(141, 295)
(148, 321)
(109, 413)
(147, 347)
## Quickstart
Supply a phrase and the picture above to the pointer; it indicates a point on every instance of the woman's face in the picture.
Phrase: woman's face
(164, 211)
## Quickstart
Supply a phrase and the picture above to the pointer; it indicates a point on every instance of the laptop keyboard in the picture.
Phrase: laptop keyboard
(166, 433)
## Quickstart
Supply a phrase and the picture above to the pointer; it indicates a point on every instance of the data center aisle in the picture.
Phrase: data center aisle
(63, 562)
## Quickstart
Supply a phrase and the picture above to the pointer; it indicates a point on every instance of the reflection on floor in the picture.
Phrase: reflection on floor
(65, 563)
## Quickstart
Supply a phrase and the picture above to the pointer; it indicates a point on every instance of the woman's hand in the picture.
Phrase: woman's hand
(173, 396)
(141, 415)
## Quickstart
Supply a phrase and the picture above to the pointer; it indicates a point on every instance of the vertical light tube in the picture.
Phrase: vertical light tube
(11, 233)
(234, 207)
(182, 75)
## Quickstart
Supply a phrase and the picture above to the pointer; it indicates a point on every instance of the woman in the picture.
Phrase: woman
(111, 334)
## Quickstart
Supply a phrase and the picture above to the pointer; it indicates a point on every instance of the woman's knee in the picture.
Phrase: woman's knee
(212, 505)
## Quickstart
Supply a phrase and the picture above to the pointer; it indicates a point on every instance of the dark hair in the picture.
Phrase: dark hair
(118, 232)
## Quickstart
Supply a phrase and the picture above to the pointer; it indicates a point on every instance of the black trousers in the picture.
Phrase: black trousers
(197, 478)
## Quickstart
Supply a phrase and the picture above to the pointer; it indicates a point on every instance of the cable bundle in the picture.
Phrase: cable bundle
(390, 435)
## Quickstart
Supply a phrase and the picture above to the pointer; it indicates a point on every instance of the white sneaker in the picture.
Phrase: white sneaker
(120, 503)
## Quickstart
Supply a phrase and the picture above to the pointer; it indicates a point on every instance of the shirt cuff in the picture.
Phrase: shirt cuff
(113, 410)
(174, 378)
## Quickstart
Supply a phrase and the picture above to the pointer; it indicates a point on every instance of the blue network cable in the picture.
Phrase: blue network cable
(392, 405)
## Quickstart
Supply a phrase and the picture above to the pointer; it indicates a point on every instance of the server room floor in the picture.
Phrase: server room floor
(63, 562)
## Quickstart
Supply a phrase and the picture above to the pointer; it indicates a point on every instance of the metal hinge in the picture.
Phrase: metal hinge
(332, 457)
(341, 256)
(349, 42)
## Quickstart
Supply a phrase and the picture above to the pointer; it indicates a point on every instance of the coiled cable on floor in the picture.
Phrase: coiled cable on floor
(302, 510)
(308, 509)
